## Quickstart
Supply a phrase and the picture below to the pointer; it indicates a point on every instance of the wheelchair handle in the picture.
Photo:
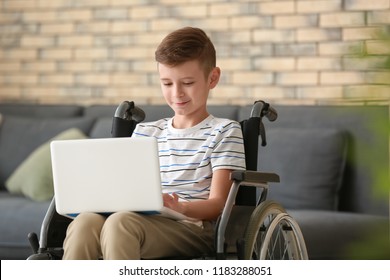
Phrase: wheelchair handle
(125, 119)
(263, 109)
(128, 111)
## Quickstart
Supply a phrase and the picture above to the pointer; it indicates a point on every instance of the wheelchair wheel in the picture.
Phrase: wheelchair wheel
(272, 234)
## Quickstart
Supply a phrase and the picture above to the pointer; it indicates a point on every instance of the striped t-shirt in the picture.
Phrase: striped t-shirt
(189, 156)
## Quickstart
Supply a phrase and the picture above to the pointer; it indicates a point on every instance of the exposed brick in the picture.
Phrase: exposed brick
(378, 47)
(342, 19)
(44, 92)
(44, 16)
(75, 40)
(378, 77)
(56, 54)
(74, 66)
(133, 52)
(379, 17)
(275, 63)
(254, 78)
(297, 78)
(39, 66)
(366, 5)
(57, 28)
(339, 48)
(49, 4)
(111, 13)
(319, 63)
(359, 63)
(148, 12)
(318, 6)
(18, 4)
(20, 54)
(236, 37)
(304, 49)
(250, 21)
(295, 21)
(127, 26)
(341, 78)
(271, 92)
(280, 36)
(362, 33)
(11, 17)
(367, 92)
(223, 92)
(112, 40)
(11, 66)
(20, 79)
(33, 41)
(163, 24)
(144, 66)
(91, 53)
(111, 66)
(212, 24)
(189, 11)
(320, 92)
(234, 64)
(92, 79)
(227, 9)
(92, 3)
(318, 35)
(10, 93)
(277, 7)
(102, 51)
(56, 79)
(148, 39)
(93, 27)
(128, 79)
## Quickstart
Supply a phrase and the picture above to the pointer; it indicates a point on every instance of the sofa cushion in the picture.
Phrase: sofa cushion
(343, 235)
(19, 136)
(310, 163)
(19, 217)
(33, 177)
(41, 110)
(101, 128)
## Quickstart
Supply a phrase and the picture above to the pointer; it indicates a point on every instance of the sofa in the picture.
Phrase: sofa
(333, 163)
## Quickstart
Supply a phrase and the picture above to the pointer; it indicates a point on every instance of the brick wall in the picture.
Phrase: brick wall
(284, 51)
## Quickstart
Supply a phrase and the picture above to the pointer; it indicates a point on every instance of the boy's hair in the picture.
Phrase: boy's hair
(184, 45)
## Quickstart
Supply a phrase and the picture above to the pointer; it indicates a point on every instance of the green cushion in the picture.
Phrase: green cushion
(33, 177)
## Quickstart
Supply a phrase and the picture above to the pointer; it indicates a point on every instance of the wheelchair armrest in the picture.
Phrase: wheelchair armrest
(254, 176)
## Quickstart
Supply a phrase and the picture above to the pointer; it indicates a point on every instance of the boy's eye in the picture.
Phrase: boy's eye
(188, 83)
(167, 84)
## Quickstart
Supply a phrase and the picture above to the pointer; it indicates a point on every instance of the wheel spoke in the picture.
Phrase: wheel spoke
(272, 234)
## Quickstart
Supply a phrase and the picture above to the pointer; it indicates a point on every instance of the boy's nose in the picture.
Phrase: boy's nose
(178, 91)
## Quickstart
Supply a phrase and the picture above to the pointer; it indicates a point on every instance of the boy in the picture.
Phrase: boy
(197, 153)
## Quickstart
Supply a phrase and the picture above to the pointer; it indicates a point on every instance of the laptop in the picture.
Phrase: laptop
(107, 175)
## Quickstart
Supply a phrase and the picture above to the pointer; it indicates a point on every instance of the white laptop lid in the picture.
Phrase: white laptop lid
(106, 175)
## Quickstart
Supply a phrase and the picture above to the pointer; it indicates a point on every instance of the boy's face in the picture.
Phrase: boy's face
(186, 89)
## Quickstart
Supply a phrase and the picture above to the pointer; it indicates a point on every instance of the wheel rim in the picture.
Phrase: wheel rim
(273, 234)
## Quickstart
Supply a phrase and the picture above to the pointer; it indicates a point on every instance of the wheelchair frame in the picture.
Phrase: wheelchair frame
(271, 233)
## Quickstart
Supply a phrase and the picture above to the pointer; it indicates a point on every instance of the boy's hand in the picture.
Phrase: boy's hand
(172, 201)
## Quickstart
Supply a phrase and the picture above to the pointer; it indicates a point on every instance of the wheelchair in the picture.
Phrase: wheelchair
(250, 226)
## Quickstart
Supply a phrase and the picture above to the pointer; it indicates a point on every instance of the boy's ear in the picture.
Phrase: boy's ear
(214, 77)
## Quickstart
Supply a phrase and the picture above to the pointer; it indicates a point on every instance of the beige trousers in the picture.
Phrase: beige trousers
(127, 235)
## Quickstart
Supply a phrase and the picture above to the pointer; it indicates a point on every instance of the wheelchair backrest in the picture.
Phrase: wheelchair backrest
(250, 131)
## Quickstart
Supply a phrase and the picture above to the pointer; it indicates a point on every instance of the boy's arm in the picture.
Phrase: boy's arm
(208, 209)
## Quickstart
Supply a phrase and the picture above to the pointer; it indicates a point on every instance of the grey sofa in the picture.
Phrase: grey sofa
(333, 162)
